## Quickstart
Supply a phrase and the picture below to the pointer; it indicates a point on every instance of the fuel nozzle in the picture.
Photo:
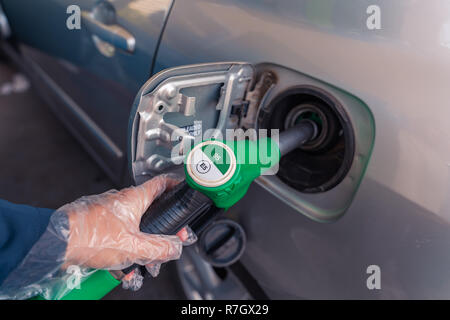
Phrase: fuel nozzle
(220, 173)
(294, 137)
(223, 170)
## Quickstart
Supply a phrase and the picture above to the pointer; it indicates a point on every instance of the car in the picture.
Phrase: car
(362, 212)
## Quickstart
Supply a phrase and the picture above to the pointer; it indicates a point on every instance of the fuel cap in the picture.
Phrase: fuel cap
(222, 243)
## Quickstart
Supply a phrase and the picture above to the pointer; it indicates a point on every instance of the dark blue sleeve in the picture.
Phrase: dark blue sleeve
(20, 227)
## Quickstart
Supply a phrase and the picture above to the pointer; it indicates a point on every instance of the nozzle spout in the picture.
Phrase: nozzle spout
(295, 137)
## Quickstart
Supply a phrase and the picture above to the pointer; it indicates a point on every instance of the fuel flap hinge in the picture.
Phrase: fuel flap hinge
(253, 99)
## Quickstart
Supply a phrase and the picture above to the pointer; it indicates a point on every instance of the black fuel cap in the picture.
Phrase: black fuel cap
(222, 243)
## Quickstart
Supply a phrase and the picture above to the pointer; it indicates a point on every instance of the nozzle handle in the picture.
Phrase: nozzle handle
(172, 211)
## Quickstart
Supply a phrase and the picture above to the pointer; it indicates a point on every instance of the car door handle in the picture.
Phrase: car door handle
(114, 34)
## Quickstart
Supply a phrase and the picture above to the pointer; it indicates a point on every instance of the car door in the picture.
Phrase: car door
(90, 74)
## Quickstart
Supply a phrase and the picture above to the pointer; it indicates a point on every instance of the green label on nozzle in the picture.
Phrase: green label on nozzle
(219, 157)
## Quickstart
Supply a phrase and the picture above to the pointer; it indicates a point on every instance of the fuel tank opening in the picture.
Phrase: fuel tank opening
(323, 162)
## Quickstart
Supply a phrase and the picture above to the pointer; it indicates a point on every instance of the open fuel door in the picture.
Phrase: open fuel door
(182, 104)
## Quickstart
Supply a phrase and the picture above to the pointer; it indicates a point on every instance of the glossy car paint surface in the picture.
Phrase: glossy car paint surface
(400, 217)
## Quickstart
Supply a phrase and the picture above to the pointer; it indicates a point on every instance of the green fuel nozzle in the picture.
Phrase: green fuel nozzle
(223, 170)
(217, 173)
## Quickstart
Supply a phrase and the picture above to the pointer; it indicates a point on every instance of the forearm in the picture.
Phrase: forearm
(98, 231)
(41, 264)
(20, 228)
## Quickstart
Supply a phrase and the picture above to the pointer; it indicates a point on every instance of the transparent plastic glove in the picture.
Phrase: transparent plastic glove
(104, 229)
(99, 231)
(134, 280)
(187, 236)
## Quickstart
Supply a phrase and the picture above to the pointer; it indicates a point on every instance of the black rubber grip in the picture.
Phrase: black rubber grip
(172, 211)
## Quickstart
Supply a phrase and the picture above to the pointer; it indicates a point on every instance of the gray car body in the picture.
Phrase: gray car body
(399, 219)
